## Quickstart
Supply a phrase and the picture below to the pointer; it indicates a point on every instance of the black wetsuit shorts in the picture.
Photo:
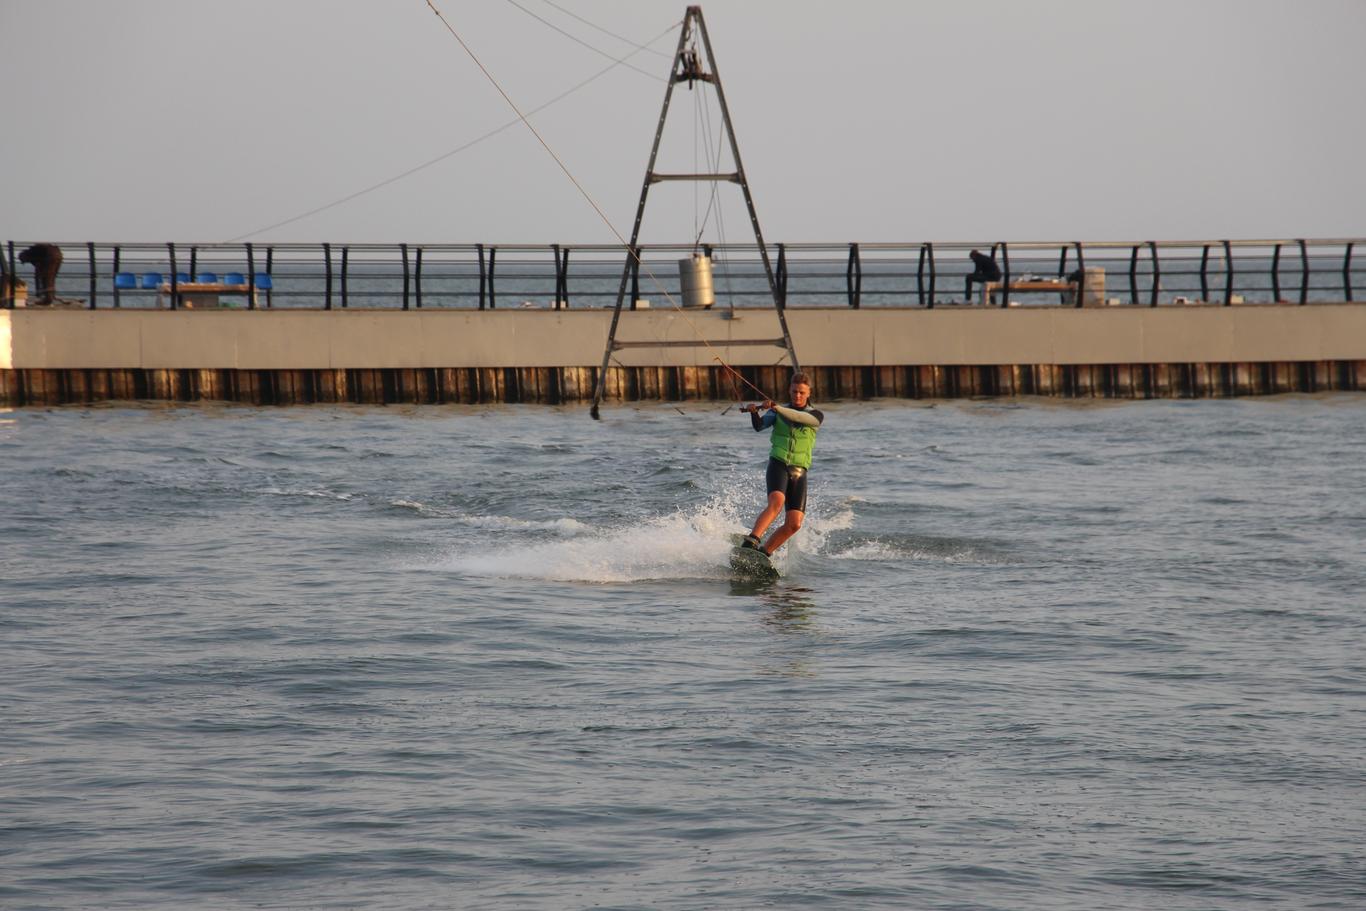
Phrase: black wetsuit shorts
(790, 481)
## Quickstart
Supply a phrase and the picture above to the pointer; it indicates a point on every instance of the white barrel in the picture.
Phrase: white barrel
(694, 275)
(1092, 288)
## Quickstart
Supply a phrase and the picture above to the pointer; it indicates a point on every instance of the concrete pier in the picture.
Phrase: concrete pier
(58, 356)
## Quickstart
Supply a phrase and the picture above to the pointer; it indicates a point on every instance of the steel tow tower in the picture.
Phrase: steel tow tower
(688, 67)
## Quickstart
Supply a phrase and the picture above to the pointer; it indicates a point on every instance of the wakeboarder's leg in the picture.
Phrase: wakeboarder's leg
(791, 522)
(776, 499)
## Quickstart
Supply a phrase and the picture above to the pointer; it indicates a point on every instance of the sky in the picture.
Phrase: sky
(970, 120)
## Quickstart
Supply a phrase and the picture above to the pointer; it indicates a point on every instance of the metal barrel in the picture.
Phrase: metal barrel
(694, 274)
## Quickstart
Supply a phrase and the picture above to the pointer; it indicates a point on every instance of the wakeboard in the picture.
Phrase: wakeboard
(746, 561)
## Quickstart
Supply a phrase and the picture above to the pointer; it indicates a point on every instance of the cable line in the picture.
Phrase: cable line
(578, 40)
(455, 151)
(574, 15)
(714, 201)
(702, 113)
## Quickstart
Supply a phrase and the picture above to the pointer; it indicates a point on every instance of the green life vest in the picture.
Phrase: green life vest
(792, 443)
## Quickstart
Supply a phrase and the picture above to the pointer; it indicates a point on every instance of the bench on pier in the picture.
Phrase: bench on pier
(203, 295)
(1068, 289)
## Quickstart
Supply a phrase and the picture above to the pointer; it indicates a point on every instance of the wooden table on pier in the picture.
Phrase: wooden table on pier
(1033, 286)
(203, 295)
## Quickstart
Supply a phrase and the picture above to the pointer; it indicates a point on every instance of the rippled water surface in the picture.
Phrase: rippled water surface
(1024, 656)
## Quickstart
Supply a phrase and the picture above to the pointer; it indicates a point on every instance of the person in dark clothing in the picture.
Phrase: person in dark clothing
(46, 259)
(985, 270)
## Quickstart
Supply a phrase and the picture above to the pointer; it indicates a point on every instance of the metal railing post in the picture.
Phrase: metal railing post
(929, 251)
(94, 290)
(251, 277)
(1204, 273)
(853, 277)
(403, 249)
(417, 278)
(345, 276)
(1081, 270)
(493, 257)
(1157, 272)
(1133, 275)
(1005, 274)
(327, 276)
(920, 278)
(565, 289)
(175, 279)
(1276, 274)
(561, 276)
(1347, 272)
(1304, 272)
(116, 272)
(479, 248)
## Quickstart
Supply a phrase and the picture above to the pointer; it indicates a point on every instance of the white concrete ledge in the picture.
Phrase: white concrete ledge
(357, 339)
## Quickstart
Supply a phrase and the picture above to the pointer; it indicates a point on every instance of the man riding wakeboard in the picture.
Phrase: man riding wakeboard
(791, 443)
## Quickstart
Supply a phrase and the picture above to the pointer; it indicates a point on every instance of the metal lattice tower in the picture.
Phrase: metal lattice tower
(689, 67)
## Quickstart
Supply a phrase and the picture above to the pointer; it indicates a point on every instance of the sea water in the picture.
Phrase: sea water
(1023, 655)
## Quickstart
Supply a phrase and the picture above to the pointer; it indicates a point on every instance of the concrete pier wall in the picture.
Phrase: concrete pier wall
(60, 355)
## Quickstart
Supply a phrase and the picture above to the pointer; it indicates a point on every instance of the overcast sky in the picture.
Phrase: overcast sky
(191, 120)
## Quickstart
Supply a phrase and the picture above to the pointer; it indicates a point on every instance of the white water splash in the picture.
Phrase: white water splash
(691, 543)
(814, 538)
(687, 544)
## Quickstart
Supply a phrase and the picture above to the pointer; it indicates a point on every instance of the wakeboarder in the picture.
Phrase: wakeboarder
(793, 439)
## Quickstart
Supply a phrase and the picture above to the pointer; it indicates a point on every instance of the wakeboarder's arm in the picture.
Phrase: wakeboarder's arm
(764, 422)
(811, 418)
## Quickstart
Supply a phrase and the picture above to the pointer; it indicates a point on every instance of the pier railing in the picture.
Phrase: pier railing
(486, 276)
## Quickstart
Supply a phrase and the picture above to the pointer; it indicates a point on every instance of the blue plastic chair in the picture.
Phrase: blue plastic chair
(125, 281)
(262, 280)
(207, 278)
(151, 280)
(182, 278)
(234, 278)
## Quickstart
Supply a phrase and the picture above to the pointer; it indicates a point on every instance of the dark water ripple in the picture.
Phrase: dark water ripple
(1025, 655)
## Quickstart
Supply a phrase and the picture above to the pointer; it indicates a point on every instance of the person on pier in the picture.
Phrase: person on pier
(46, 260)
(792, 441)
(984, 270)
